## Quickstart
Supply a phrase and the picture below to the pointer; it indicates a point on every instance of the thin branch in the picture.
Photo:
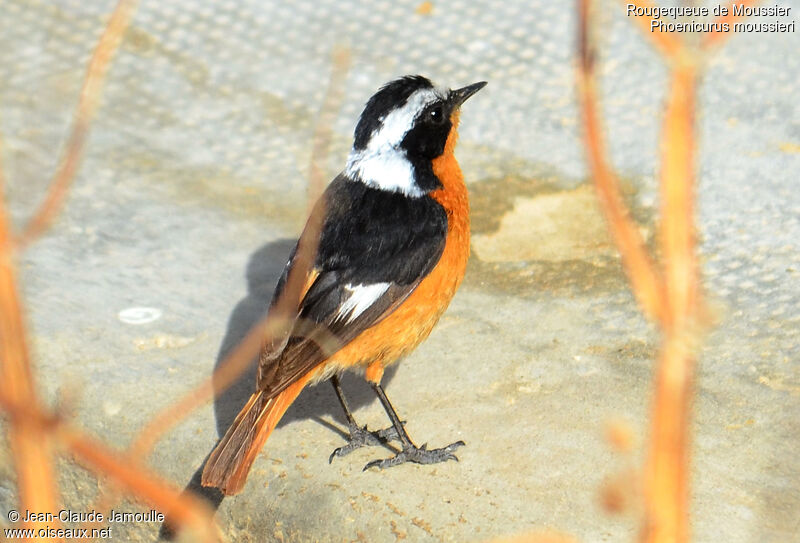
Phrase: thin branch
(183, 509)
(666, 469)
(31, 446)
(673, 299)
(87, 107)
(323, 133)
(228, 371)
(266, 330)
(647, 284)
(124, 471)
(283, 314)
(677, 186)
(714, 39)
(666, 43)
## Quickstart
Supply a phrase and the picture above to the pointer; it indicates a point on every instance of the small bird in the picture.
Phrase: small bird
(392, 250)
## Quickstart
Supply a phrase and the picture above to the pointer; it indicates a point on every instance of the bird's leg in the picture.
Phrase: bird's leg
(410, 452)
(359, 436)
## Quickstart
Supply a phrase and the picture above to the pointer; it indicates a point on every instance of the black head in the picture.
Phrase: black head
(410, 112)
(391, 96)
(403, 127)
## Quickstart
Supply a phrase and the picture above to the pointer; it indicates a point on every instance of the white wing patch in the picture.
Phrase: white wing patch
(360, 298)
(383, 164)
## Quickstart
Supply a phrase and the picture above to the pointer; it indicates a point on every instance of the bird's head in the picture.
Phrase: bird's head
(404, 126)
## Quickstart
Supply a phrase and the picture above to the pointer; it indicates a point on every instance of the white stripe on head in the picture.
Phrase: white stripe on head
(383, 164)
(361, 297)
(400, 120)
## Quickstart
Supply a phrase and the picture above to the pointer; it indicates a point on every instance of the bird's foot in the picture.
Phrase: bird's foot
(418, 455)
(361, 437)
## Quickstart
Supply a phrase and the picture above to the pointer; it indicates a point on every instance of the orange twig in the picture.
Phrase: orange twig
(87, 107)
(666, 43)
(275, 326)
(233, 366)
(713, 39)
(268, 329)
(647, 284)
(182, 509)
(677, 179)
(323, 132)
(666, 469)
(666, 483)
(33, 432)
(31, 446)
(124, 471)
(666, 473)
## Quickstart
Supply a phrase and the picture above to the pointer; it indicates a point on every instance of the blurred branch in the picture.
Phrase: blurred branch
(227, 372)
(666, 472)
(648, 285)
(31, 443)
(267, 330)
(713, 39)
(183, 509)
(323, 132)
(87, 107)
(283, 313)
(677, 197)
(124, 471)
(670, 46)
(667, 44)
(33, 432)
(31, 446)
(672, 297)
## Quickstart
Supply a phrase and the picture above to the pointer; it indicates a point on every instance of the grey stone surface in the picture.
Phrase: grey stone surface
(194, 184)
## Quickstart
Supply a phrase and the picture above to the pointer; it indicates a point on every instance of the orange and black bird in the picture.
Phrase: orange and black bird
(392, 250)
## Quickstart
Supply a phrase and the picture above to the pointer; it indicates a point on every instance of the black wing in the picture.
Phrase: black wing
(375, 247)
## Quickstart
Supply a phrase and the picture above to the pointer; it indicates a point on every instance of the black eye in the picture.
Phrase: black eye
(436, 115)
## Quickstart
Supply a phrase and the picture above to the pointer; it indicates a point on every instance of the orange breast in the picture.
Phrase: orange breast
(410, 324)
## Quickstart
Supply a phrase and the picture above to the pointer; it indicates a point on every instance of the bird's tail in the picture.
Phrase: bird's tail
(228, 465)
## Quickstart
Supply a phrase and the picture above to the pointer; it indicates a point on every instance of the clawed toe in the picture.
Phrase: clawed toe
(361, 437)
(418, 455)
(388, 434)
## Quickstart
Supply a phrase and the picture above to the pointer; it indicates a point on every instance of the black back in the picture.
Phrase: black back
(368, 236)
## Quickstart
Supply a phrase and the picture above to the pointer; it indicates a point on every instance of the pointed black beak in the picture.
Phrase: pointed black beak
(459, 96)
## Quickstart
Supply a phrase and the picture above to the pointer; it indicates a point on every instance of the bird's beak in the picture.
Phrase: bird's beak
(459, 96)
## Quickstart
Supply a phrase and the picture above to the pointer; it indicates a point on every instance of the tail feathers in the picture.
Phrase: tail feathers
(228, 465)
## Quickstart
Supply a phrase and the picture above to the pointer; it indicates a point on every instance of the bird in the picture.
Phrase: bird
(392, 244)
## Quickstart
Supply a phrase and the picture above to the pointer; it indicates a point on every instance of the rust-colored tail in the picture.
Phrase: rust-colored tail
(230, 462)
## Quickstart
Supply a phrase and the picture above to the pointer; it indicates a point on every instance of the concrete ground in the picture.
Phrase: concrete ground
(194, 186)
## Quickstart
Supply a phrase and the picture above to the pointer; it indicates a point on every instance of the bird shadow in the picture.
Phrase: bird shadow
(318, 403)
